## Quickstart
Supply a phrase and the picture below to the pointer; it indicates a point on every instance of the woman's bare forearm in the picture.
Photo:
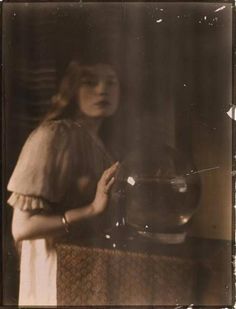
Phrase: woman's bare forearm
(26, 225)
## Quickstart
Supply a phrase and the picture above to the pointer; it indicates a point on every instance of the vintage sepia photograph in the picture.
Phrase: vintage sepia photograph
(117, 154)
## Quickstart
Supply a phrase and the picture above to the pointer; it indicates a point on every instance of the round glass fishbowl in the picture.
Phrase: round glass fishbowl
(158, 190)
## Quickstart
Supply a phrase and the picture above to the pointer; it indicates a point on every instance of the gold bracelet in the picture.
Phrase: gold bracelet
(65, 224)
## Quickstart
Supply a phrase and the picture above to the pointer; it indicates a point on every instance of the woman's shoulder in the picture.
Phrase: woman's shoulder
(45, 161)
(54, 130)
(60, 126)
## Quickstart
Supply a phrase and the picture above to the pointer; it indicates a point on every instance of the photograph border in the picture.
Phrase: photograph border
(3, 154)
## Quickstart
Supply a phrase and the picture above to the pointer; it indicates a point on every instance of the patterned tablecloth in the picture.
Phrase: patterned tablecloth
(101, 276)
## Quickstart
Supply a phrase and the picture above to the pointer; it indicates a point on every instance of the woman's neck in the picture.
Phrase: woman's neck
(92, 124)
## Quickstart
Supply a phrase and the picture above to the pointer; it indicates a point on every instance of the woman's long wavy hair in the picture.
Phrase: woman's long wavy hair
(64, 103)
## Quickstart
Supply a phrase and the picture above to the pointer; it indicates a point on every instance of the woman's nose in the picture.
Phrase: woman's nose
(101, 88)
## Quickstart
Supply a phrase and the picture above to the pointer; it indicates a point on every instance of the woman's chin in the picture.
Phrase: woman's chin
(101, 114)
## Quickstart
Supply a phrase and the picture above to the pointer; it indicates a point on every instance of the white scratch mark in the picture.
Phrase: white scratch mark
(14, 14)
(185, 85)
(205, 17)
(200, 22)
(232, 112)
(131, 181)
(117, 223)
(183, 219)
(183, 189)
(162, 10)
(114, 245)
(220, 8)
(146, 226)
(159, 20)
(190, 306)
(205, 170)
(108, 236)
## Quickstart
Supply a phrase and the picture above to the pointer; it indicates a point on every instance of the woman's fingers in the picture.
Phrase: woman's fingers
(109, 185)
(110, 172)
(112, 168)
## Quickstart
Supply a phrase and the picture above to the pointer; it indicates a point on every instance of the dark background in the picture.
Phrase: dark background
(174, 63)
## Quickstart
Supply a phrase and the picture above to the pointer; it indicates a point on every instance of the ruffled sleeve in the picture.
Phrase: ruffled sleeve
(25, 202)
(43, 170)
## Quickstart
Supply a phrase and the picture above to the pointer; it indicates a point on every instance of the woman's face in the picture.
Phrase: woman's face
(99, 90)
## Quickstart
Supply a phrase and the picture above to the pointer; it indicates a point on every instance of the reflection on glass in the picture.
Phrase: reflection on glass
(159, 190)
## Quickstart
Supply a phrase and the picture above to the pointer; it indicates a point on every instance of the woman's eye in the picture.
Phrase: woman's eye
(94, 82)
(89, 82)
(111, 82)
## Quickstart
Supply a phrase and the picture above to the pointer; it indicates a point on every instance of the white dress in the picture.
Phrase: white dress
(49, 177)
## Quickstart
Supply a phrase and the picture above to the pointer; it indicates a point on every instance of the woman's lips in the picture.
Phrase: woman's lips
(103, 103)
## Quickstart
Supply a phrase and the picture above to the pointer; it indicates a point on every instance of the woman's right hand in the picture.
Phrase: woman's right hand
(104, 185)
(31, 225)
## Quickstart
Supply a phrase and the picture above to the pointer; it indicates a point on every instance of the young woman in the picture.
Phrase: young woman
(63, 176)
